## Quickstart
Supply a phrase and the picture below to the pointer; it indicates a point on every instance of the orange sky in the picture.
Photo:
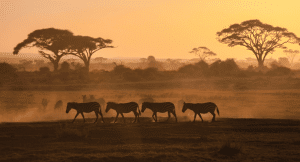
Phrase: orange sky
(164, 29)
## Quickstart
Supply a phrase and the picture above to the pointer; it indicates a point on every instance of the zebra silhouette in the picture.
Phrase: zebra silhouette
(201, 108)
(160, 107)
(121, 108)
(92, 98)
(85, 108)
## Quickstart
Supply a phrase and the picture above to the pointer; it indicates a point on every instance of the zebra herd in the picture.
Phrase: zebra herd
(155, 107)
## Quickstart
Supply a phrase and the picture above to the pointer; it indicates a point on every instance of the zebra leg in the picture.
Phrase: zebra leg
(96, 117)
(156, 116)
(153, 115)
(123, 117)
(135, 114)
(175, 115)
(168, 115)
(195, 117)
(214, 117)
(83, 117)
(200, 117)
(101, 116)
(116, 117)
(75, 117)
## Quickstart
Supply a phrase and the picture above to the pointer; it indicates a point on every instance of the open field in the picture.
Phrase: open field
(255, 124)
(224, 140)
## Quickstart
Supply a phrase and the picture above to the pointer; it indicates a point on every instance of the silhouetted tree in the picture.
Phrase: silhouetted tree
(84, 47)
(50, 39)
(257, 37)
(203, 52)
(291, 54)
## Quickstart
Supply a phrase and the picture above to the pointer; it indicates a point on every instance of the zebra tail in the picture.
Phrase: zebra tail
(218, 110)
(139, 110)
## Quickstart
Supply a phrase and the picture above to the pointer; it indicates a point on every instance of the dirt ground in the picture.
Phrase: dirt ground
(227, 139)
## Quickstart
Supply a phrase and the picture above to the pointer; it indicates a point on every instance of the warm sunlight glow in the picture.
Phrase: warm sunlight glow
(164, 29)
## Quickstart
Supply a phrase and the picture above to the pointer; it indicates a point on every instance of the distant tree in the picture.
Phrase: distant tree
(65, 67)
(84, 47)
(262, 39)
(7, 73)
(291, 54)
(100, 59)
(202, 52)
(224, 68)
(44, 70)
(50, 39)
(283, 61)
(25, 64)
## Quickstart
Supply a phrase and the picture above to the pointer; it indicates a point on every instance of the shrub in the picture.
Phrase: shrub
(229, 149)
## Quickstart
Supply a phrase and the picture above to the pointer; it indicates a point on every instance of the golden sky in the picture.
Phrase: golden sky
(139, 28)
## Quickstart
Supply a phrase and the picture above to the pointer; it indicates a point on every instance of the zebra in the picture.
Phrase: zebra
(124, 108)
(92, 98)
(85, 107)
(160, 107)
(58, 105)
(201, 108)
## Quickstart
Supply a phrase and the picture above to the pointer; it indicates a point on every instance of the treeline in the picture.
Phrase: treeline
(120, 73)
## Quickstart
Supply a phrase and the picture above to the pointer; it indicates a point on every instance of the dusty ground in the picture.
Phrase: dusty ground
(224, 140)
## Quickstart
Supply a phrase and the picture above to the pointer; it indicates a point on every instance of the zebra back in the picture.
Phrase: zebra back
(159, 107)
(122, 107)
(201, 107)
(84, 107)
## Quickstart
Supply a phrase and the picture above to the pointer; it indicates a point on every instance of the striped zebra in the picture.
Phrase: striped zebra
(85, 108)
(201, 108)
(160, 107)
(124, 108)
(92, 98)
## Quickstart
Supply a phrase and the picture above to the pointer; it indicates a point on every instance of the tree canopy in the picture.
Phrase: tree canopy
(49, 39)
(262, 39)
(203, 52)
(84, 47)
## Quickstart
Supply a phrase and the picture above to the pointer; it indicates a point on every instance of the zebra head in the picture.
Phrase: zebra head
(109, 106)
(184, 108)
(69, 106)
(144, 106)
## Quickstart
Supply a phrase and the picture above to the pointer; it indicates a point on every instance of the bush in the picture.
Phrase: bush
(229, 149)
(279, 71)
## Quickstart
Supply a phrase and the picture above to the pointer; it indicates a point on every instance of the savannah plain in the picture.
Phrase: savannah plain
(258, 121)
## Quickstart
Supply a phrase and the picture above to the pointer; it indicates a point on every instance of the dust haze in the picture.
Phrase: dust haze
(27, 106)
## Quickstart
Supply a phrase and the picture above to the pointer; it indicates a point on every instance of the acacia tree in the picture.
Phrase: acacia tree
(84, 47)
(47, 40)
(203, 52)
(291, 54)
(262, 39)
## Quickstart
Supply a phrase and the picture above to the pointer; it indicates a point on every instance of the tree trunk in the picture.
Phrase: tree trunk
(55, 65)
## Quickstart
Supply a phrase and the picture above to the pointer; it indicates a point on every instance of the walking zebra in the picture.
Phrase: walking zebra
(92, 98)
(201, 108)
(160, 107)
(124, 108)
(85, 108)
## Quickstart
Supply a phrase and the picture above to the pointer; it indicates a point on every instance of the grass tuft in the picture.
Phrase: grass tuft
(71, 133)
(229, 149)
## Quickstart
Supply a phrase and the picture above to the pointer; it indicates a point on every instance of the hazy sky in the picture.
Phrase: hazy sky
(139, 28)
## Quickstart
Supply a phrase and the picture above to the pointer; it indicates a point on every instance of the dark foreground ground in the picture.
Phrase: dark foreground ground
(223, 140)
